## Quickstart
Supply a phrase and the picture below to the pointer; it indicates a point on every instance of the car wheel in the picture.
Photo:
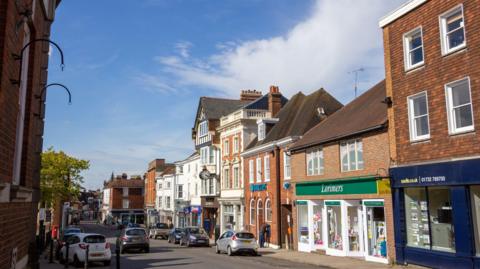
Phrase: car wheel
(169, 241)
(106, 263)
(147, 249)
(188, 243)
(217, 250)
(229, 251)
(76, 262)
(122, 250)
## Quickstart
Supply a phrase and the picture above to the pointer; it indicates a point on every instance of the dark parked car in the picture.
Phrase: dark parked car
(175, 235)
(195, 236)
(134, 238)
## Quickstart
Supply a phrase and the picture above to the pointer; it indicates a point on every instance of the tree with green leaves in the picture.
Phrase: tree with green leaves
(60, 176)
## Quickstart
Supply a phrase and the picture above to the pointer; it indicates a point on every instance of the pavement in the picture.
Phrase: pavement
(164, 255)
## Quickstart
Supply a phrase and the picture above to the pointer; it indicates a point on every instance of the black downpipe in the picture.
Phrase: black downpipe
(278, 196)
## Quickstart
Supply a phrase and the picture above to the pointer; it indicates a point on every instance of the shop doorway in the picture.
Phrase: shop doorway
(260, 217)
(287, 227)
(375, 231)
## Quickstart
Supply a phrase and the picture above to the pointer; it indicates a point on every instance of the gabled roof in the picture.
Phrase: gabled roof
(215, 108)
(262, 102)
(366, 113)
(299, 115)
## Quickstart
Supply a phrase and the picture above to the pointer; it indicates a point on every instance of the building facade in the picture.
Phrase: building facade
(340, 171)
(155, 169)
(23, 74)
(207, 142)
(431, 58)
(237, 129)
(181, 194)
(123, 200)
(165, 195)
(267, 167)
(191, 170)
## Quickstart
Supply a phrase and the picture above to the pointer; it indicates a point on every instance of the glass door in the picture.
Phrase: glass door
(303, 226)
(354, 228)
(317, 221)
(375, 231)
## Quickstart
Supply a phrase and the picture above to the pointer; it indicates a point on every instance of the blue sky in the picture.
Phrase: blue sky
(137, 68)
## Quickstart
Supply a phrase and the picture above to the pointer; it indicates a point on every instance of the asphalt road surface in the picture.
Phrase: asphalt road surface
(164, 255)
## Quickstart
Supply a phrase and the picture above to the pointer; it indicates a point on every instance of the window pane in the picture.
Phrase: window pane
(315, 164)
(475, 194)
(303, 234)
(343, 150)
(416, 56)
(460, 94)
(320, 156)
(416, 217)
(456, 38)
(415, 40)
(334, 226)
(421, 126)
(310, 165)
(317, 225)
(440, 208)
(420, 105)
(454, 21)
(463, 116)
(351, 153)
(359, 155)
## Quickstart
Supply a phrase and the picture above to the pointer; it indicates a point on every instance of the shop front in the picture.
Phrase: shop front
(437, 214)
(345, 218)
(193, 215)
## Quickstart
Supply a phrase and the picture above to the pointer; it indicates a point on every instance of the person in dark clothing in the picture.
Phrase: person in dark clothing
(262, 235)
(267, 234)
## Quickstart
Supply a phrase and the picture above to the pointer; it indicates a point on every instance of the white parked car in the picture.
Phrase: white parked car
(236, 242)
(98, 247)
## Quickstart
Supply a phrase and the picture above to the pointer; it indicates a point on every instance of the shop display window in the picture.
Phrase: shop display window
(475, 195)
(317, 225)
(303, 236)
(334, 221)
(376, 232)
(353, 228)
(428, 214)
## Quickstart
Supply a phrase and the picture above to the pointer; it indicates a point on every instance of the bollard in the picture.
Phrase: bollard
(117, 253)
(87, 251)
(67, 247)
(51, 252)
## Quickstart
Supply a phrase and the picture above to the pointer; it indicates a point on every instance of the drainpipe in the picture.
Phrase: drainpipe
(278, 194)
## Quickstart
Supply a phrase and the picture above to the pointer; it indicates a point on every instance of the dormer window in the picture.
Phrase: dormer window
(203, 128)
(261, 131)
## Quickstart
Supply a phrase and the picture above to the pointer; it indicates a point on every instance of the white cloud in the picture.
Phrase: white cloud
(338, 37)
(183, 48)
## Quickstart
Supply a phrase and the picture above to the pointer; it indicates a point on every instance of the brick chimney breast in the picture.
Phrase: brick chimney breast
(274, 100)
(250, 95)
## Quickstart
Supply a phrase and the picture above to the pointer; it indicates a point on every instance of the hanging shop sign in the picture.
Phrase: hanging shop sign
(373, 203)
(258, 187)
(365, 185)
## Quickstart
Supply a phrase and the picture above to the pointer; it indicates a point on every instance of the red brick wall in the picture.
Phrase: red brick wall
(150, 193)
(437, 71)
(135, 197)
(231, 157)
(17, 222)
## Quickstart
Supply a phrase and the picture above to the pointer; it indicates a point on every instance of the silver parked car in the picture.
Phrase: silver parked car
(134, 238)
(232, 242)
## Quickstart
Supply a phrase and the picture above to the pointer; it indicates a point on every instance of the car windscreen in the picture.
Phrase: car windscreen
(197, 231)
(93, 239)
(72, 230)
(245, 235)
(177, 230)
(162, 226)
(134, 232)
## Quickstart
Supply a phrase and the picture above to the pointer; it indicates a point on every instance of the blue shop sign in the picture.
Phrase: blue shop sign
(258, 187)
(446, 173)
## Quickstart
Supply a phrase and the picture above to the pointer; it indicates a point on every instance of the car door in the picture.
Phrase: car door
(228, 238)
(72, 246)
(221, 242)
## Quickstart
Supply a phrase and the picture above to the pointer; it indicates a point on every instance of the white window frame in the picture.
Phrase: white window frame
(345, 145)
(160, 201)
(411, 119)
(22, 103)
(443, 30)
(236, 147)
(251, 173)
(261, 131)
(226, 178)
(125, 203)
(268, 202)
(316, 153)
(407, 50)
(236, 177)
(124, 192)
(167, 202)
(450, 109)
(287, 166)
(180, 191)
(266, 168)
(203, 129)
(258, 170)
(226, 147)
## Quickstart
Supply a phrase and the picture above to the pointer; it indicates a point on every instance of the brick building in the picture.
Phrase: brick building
(432, 54)
(123, 200)
(22, 77)
(343, 204)
(267, 174)
(155, 169)
(207, 142)
(237, 129)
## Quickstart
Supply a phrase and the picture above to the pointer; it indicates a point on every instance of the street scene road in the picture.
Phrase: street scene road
(165, 255)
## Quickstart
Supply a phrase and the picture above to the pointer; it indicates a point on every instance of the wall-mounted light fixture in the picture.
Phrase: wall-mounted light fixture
(42, 96)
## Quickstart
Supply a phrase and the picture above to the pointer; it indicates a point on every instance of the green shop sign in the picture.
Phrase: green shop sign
(366, 185)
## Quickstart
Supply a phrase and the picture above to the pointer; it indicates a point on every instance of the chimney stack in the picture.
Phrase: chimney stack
(250, 95)
(274, 100)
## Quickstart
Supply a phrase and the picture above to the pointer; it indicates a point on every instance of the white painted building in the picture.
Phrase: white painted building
(164, 203)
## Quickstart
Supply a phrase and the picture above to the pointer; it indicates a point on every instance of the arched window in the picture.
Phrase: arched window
(268, 211)
(252, 212)
(260, 212)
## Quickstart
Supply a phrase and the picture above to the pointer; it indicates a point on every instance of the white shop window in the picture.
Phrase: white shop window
(413, 48)
(418, 117)
(459, 106)
(452, 30)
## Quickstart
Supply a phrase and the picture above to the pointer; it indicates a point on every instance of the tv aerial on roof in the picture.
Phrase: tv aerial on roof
(356, 72)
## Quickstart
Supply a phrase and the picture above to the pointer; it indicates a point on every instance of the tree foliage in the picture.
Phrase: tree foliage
(60, 176)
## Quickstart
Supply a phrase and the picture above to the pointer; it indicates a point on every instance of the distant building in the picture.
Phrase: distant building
(123, 200)
(165, 195)
(22, 78)
(155, 169)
